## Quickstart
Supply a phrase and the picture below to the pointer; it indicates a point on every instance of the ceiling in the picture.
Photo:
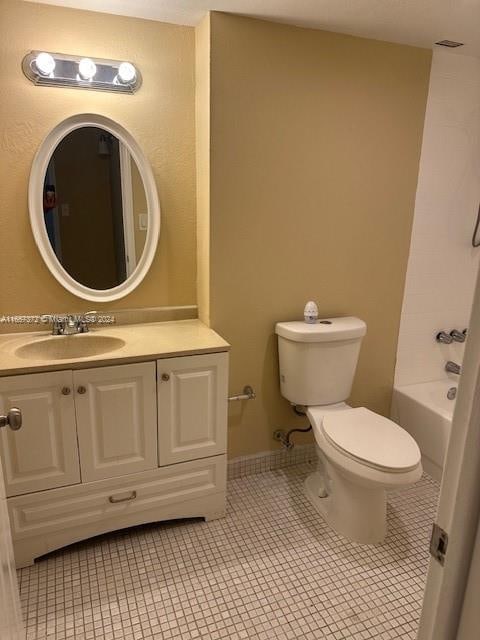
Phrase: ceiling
(414, 22)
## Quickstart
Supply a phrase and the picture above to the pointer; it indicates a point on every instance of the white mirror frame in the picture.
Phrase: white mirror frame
(37, 221)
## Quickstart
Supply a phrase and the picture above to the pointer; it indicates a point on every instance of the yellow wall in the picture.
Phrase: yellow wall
(202, 147)
(308, 146)
(315, 145)
(161, 116)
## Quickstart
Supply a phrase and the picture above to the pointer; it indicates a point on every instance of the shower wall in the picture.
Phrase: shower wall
(442, 265)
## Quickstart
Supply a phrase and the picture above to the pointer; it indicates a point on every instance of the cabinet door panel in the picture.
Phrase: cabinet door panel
(192, 407)
(116, 420)
(43, 454)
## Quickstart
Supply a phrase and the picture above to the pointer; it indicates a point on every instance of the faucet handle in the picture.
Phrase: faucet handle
(85, 320)
(458, 336)
(444, 337)
(58, 327)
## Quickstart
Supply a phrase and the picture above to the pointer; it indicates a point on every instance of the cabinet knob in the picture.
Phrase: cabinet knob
(165, 377)
(66, 391)
(81, 389)
(13, 419)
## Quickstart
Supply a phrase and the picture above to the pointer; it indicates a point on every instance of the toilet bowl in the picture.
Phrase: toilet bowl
(361, 454)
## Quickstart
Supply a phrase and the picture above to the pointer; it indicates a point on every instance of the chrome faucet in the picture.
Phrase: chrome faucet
(72, 324)
(453, 367)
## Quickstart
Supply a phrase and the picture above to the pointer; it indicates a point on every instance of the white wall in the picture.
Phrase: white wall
(442, 265)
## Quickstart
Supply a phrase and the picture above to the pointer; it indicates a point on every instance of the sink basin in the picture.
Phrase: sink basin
(69, 347)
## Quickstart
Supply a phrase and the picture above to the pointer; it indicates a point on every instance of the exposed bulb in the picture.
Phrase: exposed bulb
(126, 72)
(45, 63)
(87, 68)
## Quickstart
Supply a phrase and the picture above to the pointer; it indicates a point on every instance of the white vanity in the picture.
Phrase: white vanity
(111, 440)
(121, 425)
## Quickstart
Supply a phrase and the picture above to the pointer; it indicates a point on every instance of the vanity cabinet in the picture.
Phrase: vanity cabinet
(43, 454)
(116, 411)
(192, 408)
(113, 446)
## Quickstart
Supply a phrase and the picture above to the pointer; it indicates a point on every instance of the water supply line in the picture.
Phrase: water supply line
(283, 436)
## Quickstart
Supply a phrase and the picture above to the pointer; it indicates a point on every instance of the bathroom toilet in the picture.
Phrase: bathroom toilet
(361, 454)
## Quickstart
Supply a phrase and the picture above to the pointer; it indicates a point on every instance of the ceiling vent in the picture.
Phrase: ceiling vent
(449, 43)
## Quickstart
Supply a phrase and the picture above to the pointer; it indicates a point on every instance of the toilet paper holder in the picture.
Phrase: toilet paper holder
(248, 394)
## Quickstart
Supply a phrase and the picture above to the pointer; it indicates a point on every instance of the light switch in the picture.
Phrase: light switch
(143, 221)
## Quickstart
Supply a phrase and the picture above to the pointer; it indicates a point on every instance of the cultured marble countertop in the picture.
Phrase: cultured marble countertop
(143, 342)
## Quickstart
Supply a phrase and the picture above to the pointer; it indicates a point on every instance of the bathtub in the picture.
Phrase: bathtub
(426, 413)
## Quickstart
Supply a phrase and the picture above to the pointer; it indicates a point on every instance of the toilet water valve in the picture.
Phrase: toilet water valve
(284, 437)
(281, 436)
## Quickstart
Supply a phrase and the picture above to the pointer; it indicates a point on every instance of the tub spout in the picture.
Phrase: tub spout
(453, 367)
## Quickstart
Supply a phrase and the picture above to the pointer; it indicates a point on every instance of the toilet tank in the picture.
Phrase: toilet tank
(318, 361)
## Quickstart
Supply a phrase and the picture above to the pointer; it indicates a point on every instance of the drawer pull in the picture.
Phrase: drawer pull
(81, 389)
(66, 391)
(165, 377)
(132, 496)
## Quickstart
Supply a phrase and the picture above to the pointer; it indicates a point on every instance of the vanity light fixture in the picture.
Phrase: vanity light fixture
(126, 72)
(87, 69)
(45, 64)
(81, 72)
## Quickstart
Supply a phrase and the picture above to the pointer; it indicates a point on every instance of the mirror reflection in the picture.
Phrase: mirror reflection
(95, 208)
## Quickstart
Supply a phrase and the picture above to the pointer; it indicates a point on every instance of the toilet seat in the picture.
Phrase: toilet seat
(371, 439)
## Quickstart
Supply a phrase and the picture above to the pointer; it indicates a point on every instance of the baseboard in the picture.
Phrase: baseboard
(269, 460)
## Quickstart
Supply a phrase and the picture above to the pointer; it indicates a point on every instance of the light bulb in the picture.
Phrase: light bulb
(87, 68)
(45, 63)
(126, 72)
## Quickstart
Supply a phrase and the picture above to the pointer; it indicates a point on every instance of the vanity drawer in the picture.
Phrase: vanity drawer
(114, 502)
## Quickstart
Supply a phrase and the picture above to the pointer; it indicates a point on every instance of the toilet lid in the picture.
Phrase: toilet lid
(365, 435)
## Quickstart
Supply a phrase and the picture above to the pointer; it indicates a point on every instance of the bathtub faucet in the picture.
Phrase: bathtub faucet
(444, 337)
(458, 336)
(453, 367)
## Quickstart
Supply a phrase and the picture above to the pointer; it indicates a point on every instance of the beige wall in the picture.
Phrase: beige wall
(308, 146)
(315, 144)
(202, 147)
(160, 116)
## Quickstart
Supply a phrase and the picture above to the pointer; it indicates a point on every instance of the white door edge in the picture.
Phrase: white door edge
(459, 503)
(11, 625)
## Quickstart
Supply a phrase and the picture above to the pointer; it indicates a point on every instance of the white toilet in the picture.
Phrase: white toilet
(361, 454)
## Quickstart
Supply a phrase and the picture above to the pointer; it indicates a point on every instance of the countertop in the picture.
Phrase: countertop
(143, 342)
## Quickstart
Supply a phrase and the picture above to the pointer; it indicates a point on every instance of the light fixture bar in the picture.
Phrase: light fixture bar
(81, 72)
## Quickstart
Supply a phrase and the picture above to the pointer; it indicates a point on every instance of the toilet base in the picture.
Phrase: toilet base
(357, 512)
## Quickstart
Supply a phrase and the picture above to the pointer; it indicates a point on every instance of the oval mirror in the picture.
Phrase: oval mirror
(94, 208)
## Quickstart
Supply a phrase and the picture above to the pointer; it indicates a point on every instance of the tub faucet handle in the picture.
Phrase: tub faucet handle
(458, 336)
(444, 337)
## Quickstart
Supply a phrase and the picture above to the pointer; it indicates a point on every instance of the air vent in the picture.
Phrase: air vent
(449, 43)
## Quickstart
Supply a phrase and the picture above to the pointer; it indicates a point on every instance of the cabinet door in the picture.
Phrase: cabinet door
(116, 420)
(43, 454)
(192, 407)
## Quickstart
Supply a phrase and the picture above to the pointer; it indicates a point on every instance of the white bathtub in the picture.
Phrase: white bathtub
(426, 413)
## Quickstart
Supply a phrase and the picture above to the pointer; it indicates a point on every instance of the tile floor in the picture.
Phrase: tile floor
(270, 569)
